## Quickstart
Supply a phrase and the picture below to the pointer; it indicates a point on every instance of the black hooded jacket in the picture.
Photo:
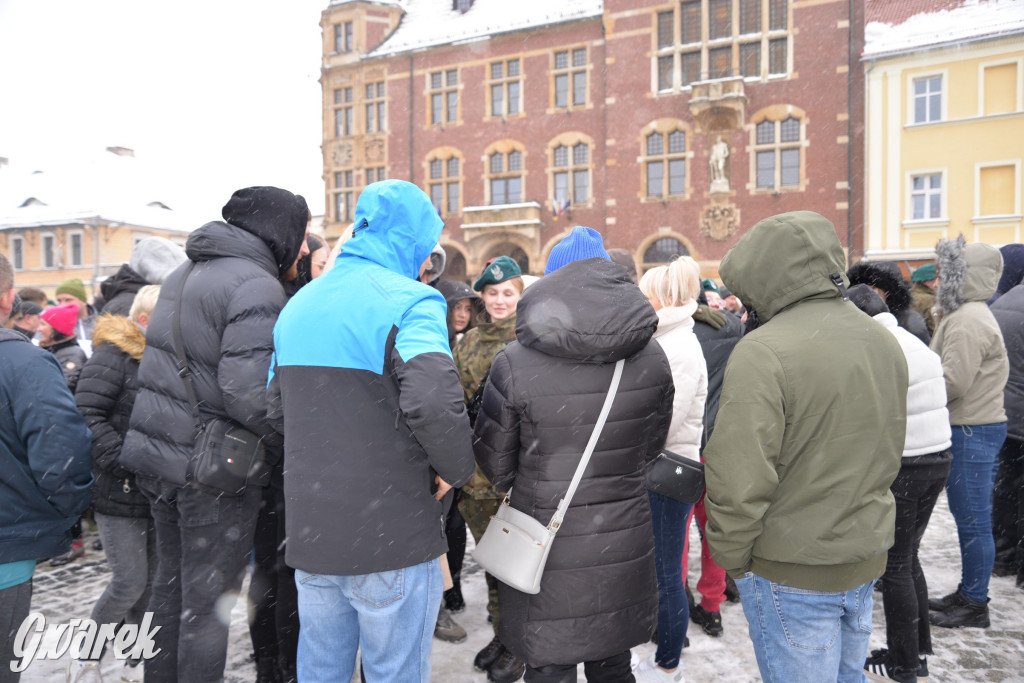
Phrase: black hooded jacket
(599, 592)
(120, 289)
(230, 304)
(886, 276)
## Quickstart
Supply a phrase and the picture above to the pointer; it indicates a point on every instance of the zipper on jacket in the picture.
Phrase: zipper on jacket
(127, 487)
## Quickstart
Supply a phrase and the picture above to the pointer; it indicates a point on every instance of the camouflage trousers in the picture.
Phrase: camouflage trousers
(477, 513)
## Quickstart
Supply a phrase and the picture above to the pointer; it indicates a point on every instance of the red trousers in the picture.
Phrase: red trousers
(711, 584)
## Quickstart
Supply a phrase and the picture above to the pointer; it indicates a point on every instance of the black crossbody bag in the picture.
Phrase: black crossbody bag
(676, 477)
(225, 457)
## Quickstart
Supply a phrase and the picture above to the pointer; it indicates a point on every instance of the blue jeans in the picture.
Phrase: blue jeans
(804, 636)
(969, 490)
(389, 616)
(669, 518)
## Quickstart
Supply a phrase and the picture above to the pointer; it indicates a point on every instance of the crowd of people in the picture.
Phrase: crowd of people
(332, 426)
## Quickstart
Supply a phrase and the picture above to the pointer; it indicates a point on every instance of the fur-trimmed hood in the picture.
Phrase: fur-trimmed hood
(967, 272)
(885, 275)
(121, 332)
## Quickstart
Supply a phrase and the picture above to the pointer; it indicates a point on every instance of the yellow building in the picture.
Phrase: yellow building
(944, 124)
(52, 229)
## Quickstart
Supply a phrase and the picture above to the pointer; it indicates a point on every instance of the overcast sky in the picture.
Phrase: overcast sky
(212, 95)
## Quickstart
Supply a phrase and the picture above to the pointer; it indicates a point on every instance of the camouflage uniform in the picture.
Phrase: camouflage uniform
(473, 356)
(922, 300)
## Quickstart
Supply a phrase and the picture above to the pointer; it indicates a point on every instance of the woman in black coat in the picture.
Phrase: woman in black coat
(599, 593)
(105, 396)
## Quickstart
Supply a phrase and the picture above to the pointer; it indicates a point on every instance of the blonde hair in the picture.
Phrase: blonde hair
(673, 285)
(144, 302)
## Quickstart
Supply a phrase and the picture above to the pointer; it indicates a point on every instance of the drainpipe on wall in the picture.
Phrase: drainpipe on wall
(412, 109)
(95, 255)
(604, 127)
(853, 63)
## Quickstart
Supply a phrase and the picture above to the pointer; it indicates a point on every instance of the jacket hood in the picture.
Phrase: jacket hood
(124, 280)
(121, 332)
(153, 259)
(587, 310)
(967, 272)
(396, 227)
(782, 260)
(222, 240)
(276, 216)
(886, 276)
(455, 291)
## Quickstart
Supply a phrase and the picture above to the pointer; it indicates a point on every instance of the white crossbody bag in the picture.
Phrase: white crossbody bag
(515, 546)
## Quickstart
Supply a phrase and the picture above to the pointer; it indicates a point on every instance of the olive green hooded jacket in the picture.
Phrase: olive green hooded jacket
(812, 418)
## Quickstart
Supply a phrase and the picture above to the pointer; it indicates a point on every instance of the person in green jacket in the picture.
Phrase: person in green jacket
(500, 285)
(808, 440)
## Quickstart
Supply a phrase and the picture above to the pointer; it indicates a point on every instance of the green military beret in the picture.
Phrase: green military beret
(500, 269)
(924, 273)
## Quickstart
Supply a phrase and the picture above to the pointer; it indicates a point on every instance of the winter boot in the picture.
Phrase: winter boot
(446, 629)
(710, 622)
(970, 614)
(506, 669)
(487, 656)
(77, 550)
(951, 600)
(453, 599)
(266, 670)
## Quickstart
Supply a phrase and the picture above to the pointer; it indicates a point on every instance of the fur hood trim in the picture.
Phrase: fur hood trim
(967, 272)
(121, 332)
(885, 275)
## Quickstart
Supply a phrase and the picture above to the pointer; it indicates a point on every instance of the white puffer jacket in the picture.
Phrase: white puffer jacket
(928, 428)
(690, 376)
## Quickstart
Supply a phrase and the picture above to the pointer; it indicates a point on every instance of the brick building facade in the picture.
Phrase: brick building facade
(670, 127)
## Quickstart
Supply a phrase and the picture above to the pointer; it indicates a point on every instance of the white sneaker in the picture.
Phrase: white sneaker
(83, 671)
(649, 672)
(132, 674)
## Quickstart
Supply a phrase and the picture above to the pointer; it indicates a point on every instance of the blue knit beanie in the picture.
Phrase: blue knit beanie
(580, 244)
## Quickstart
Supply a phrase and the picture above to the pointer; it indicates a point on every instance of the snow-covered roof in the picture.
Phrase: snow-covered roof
(900, 26)
(392, 3)
(107, 187)
(429, 23)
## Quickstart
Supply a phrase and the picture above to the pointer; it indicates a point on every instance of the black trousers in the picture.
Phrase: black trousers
(1008, 506)
(614, 669)
(455, 530)
(904, 590)
(273, 597)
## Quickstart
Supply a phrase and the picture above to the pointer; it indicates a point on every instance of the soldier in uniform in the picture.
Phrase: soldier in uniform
(499, 285)
(924, 280)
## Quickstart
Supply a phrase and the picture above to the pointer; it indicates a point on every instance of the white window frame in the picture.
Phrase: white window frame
(943, 216)
(943, 74)
(1016, 163)
(1019, 61)
(69, 238)
(43, 236)
(17, 263)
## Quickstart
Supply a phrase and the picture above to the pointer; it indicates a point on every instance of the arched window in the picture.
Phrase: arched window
(662, 251)
(444, 180)
(778, 140)
(504, 164)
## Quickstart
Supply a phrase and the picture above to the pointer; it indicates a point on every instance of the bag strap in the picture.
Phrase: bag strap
(179, 350)
(563, 505)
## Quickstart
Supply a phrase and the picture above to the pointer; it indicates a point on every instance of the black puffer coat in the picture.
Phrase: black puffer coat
(105, 396)
(231, 302)
(1009, 312)
(599, 594)
(718, 333)
(71, 358)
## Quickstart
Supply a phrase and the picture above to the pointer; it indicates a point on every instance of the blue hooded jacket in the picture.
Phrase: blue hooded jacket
(364, 389)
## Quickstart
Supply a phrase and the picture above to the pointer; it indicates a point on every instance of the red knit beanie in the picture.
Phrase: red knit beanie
(62, 318)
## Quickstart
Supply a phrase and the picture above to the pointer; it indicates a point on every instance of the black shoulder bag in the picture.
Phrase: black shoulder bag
(225, 457)
(676, 477)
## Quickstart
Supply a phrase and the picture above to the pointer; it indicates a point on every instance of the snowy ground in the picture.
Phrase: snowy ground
(961, 656)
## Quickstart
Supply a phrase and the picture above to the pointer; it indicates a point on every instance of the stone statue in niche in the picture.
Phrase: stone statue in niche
(717, 160)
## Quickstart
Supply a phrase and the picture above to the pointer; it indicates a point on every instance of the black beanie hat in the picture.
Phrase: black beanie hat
(276, 216)
(867, 300)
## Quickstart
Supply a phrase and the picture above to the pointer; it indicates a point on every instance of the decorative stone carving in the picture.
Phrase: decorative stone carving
(341, 155)
(717, 160)
(719, 221)
(374, 151)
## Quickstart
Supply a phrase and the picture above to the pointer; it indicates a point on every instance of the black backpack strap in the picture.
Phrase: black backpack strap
(179, 350)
